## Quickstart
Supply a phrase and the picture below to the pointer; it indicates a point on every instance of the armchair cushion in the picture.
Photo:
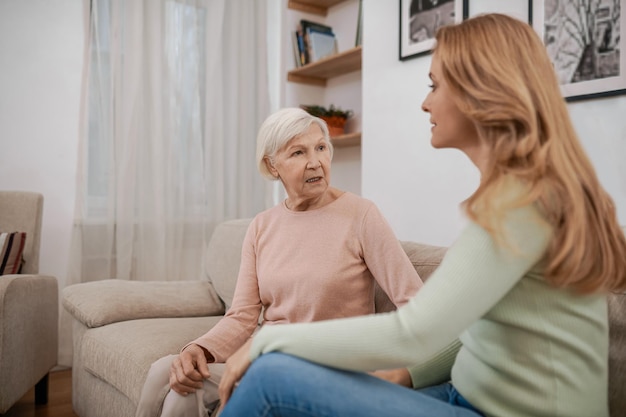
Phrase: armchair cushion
(11, 249)
(109, 301)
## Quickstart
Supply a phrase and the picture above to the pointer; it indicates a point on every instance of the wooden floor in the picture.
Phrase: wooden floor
(59, 399)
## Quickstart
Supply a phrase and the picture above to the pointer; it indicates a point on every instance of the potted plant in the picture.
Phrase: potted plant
(334, 117)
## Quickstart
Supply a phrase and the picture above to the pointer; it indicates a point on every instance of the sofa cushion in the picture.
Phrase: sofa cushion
(108, 301)
(425, 259)
(121, 353)
(223, 257)
(11, 249)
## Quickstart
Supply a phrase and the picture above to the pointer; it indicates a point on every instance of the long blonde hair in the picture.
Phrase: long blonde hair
(504, 81)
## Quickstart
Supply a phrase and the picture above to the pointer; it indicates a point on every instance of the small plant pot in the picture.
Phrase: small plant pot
(336, 125)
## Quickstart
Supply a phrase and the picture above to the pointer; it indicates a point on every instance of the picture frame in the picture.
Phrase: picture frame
(518, 10)
(419, 20)
(584, 46)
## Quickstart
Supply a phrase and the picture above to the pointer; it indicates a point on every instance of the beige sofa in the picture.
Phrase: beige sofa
(121, 327)
(29, 307)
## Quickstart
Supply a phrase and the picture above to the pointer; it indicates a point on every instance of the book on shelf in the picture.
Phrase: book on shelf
(297, 56)
(320, 27)
(302, 47)
(318, 41)
(321, 45)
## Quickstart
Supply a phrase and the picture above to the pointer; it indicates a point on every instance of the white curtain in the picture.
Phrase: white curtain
(174, 93)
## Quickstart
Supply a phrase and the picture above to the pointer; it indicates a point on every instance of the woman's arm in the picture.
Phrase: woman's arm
(242, 317)
(392, 270)
(387, 261)
(475, 274)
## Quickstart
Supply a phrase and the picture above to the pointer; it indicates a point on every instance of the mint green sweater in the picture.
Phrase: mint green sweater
(526, 348)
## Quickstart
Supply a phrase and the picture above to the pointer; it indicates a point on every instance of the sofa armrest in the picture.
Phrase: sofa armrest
(425, 259)
(29, 311)
(109, 301)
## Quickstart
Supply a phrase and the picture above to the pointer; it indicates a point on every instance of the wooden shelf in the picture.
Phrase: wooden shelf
(318, 7)
(318, 72)
(349, 139)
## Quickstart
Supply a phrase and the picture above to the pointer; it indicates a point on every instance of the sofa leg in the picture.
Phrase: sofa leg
(41, 390)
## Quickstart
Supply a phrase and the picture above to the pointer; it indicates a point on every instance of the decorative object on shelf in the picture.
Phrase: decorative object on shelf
(334, 117)
(584, 45)
(419, 20)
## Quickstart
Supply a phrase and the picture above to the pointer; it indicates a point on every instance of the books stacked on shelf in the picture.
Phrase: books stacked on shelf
(313, 41)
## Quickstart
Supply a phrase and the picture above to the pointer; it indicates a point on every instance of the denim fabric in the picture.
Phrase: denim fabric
(447, 393)
(281, 385)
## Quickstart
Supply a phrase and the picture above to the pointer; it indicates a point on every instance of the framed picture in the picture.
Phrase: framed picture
(420, 19)
(519, 10)
(583, 41)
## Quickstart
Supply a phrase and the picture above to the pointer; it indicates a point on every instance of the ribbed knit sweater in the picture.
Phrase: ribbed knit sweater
(526, 348)
(303, 266)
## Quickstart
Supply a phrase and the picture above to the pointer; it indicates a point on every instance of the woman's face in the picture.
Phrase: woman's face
(450, 127)
(303, 166)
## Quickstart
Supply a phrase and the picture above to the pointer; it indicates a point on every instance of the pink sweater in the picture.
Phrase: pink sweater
(302, 266)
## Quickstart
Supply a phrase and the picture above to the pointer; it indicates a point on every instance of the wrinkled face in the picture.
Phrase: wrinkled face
(450, 127)
(303, 165)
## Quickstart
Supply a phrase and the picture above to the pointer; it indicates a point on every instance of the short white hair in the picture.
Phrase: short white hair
(279, 128)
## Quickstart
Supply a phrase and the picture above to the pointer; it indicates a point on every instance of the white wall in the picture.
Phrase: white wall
(419, 189)
(41, 59)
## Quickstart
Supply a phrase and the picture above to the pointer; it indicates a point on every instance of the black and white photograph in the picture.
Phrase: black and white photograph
(583, 40)
(419, 21)
(517, 9)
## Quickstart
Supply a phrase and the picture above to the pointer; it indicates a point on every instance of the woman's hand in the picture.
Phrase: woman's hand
(236, 367)
(398, 376)
(189, 370)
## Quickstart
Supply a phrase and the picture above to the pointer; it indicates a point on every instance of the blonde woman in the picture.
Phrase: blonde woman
(523, 288)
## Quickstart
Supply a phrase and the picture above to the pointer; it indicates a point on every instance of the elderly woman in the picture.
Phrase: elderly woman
(315, 256)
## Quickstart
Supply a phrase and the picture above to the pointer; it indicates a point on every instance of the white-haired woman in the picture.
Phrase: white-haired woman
(315, 256)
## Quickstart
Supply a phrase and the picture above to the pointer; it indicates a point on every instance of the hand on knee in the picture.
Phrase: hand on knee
(189, 370)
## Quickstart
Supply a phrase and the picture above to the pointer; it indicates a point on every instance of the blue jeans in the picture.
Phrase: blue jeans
(282, 385)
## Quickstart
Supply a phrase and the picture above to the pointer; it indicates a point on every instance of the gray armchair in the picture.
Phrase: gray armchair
(28, 307)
